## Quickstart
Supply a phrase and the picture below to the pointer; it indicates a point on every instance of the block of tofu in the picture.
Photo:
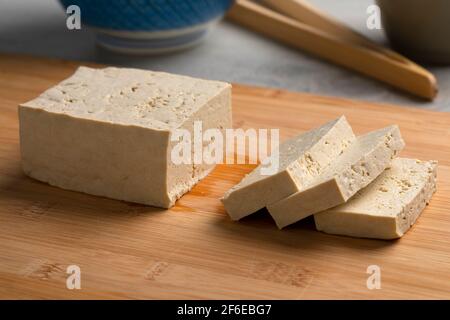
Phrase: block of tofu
(351, 171)
(386, 208)
(108, 132)
(301, 159)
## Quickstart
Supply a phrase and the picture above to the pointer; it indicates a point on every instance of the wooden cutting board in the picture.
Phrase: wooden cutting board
(194, 250)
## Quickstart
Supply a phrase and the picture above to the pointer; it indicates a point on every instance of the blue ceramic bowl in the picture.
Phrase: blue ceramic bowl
(150, 26)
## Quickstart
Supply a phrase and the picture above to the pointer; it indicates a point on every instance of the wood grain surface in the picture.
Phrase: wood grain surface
(194, 250)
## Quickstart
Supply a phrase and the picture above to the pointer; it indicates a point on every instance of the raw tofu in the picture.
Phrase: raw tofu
(354, 169)
(388, 207)
(301, 159)
(107, 132)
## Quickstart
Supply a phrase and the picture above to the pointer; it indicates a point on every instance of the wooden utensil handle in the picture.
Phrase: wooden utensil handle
(406, 76)
(308, 14)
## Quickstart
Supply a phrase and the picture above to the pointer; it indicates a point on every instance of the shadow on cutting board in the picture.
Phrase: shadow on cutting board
(301, 235)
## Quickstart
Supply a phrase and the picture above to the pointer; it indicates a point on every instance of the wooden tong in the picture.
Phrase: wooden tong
(302, 26)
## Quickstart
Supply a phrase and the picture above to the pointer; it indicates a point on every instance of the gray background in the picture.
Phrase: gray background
(230, 53)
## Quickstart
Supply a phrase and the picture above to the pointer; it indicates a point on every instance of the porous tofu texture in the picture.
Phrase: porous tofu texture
(386, 208)
(351, 171)
(107, 132)
(301, 159)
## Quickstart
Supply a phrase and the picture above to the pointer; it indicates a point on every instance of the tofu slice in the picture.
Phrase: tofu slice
(108, 132)
(301, 159)
(351, 171)
(388, 207)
